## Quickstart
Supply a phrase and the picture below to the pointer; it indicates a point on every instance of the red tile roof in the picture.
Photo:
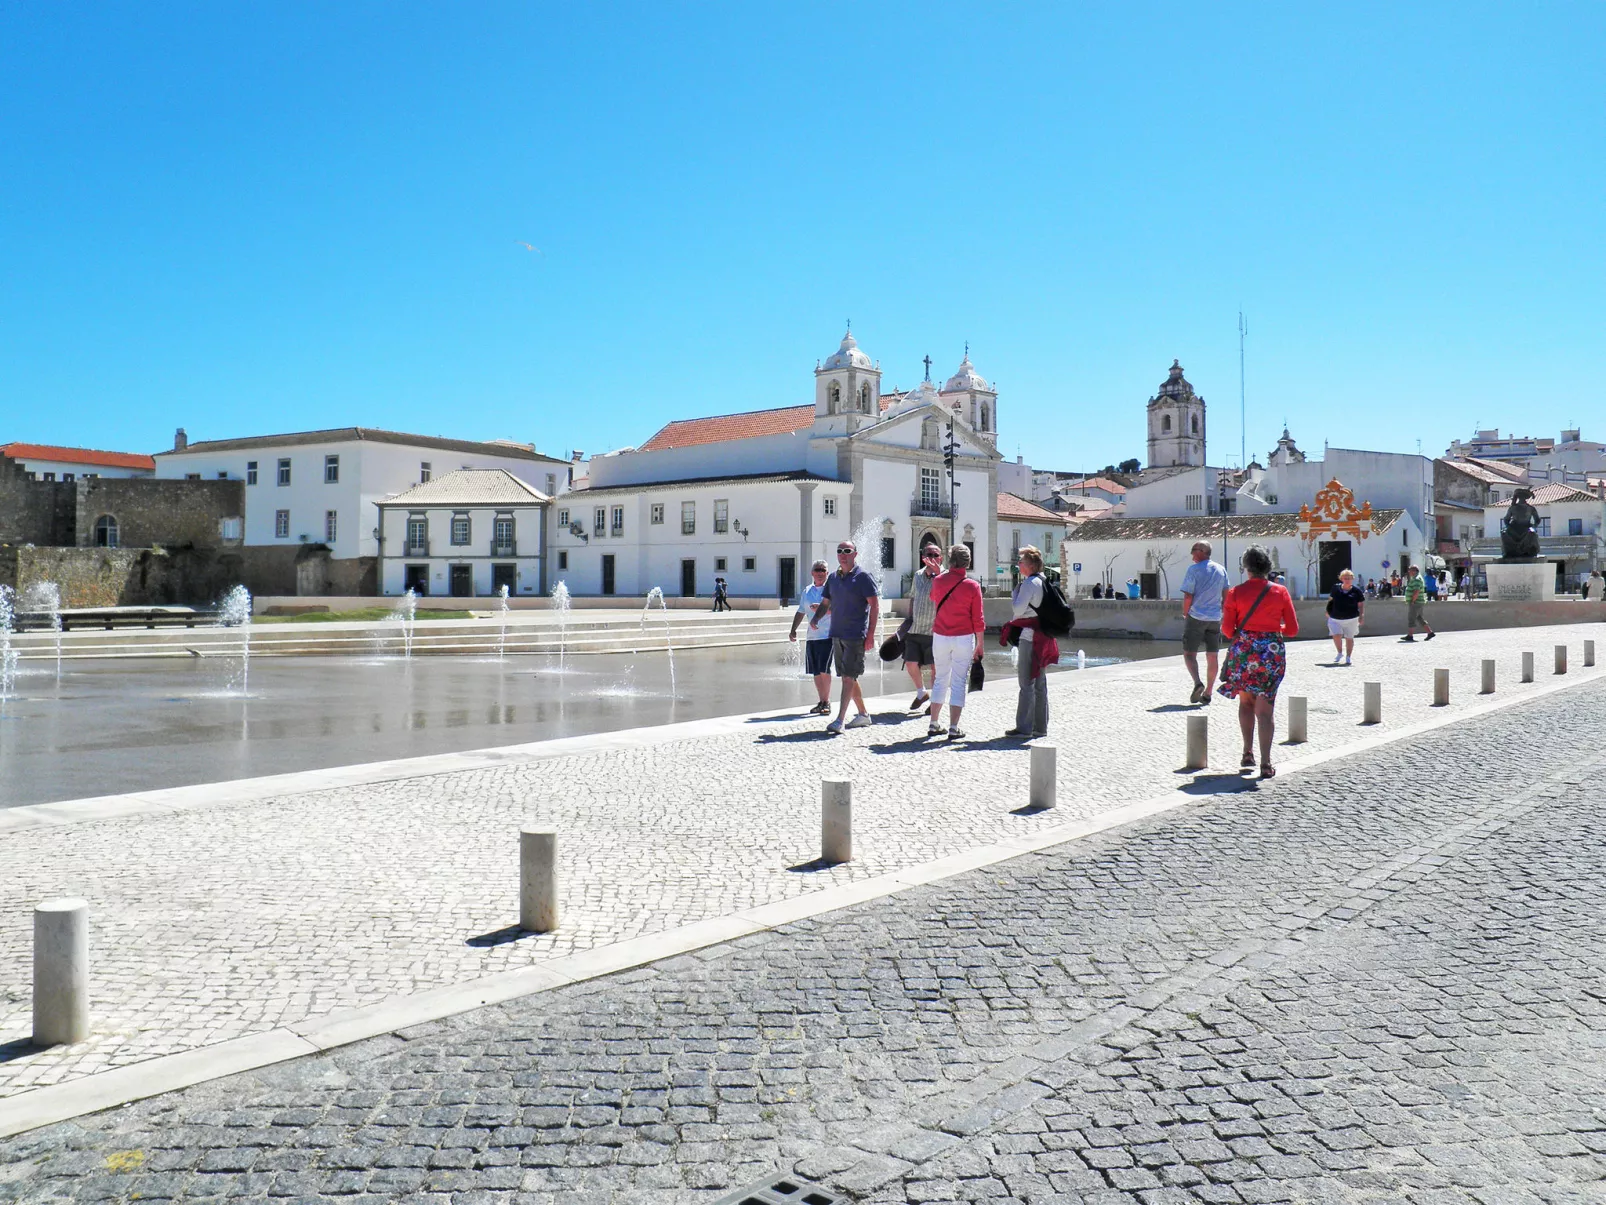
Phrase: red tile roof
(106, 460)
(689, 432)
(1557, 492)
(1094, 483)
(1010, 506)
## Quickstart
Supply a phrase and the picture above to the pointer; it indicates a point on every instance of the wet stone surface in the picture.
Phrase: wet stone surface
(1352, 985)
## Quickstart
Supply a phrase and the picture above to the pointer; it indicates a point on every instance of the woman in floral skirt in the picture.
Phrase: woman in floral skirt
(1256, 615)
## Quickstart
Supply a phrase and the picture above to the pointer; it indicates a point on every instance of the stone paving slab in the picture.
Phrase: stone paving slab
(1339, 987)
(212, 924)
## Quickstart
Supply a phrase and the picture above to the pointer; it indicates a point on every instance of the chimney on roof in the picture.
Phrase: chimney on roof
(180, 440)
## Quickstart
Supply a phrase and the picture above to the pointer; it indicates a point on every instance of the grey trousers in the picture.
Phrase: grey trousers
(1031, 708)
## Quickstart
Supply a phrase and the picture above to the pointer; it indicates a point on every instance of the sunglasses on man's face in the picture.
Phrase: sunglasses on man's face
(844, 552)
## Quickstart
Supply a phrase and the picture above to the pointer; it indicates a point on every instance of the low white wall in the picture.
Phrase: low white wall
(619, 602)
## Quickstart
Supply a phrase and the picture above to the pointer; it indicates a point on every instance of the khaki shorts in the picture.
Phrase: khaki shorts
(917, 649)
(1201, 633)
(1414, 614)
(849, 656)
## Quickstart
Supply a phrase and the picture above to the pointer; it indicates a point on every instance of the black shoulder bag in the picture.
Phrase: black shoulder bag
(1264, 590)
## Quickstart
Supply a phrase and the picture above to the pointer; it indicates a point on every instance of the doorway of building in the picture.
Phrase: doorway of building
(1148, 585)
(607, 573)
(788, 579)
(416, 579)
(462, 581)
(504, 575)
(688, 579)
(1333, 558)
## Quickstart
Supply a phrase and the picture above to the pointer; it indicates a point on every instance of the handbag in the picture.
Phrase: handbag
(978, 675)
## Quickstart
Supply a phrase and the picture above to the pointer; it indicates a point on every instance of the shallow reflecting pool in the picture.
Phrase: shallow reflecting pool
(111, 726)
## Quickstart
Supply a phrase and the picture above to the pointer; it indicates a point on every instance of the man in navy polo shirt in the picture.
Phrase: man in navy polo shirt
(850, 595)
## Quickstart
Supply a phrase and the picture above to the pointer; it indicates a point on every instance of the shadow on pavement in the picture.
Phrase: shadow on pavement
(1219, 784)
(500, 937)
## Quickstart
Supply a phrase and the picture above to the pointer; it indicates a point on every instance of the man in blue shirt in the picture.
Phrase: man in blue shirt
(854, 606)
(1203, 587)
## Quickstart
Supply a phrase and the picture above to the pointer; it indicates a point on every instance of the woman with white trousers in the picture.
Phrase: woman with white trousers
(955, 639)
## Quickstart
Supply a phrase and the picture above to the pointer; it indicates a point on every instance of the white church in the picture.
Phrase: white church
(756, 497)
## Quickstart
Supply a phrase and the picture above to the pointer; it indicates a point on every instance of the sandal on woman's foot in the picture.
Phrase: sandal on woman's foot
(954, 734)
(1267, 770)
(934, 730)
(1247, 761)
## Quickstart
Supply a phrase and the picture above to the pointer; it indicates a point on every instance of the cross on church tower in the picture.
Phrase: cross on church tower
(927, 363)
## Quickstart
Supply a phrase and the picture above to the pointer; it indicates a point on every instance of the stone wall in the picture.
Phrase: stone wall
(306, 570)
(158, 513)
(34, 512)
(125, 577)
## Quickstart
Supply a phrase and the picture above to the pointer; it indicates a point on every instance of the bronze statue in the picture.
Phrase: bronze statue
(1519, 541)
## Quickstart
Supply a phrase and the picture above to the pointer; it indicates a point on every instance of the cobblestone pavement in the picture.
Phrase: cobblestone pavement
(1358, 985)
(222, 922)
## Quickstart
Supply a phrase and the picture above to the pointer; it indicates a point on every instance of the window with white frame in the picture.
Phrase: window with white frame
(616, 521)
(657, 512)
(563, 517)
(722, 514)
(502, 535)
(930, 488)
(331, 525)
(719, 564)
(230, 528)
(749, 564)
(461, 529)
(417, 535)
(331, 470)
(106, 532)
(551, 484)
(281, 525)
(830, 505)
(425, 471)
(1193, 502)
(688, 518)
(599, 521)
(284, 471)
(250, 472)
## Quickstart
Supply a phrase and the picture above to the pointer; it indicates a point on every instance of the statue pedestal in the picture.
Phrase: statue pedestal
(1523, 581)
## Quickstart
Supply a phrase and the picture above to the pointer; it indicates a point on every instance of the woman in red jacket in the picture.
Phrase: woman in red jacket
(1255, 616)
(955, 639)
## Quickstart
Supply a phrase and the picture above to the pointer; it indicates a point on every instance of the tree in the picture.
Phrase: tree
(1109, 564)
(1132, 465)
(1313, 551)
(1161, 560)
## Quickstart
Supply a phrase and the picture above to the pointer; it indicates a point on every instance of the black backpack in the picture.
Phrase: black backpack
(1054, 615)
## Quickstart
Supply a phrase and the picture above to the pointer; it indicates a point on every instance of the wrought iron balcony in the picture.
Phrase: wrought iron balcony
(506, 548)
(415, 548)
(930, 510)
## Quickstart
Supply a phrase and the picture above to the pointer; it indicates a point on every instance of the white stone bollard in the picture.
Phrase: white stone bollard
(1589, 653)
(1441, 688)
(1297, 727)
(1198, 743)
(1045, 765)
(1527, 667)
(1488, 676)
(836, 820)
(538, 879)
(1561, 658)
(1372, 704)
(60, 972)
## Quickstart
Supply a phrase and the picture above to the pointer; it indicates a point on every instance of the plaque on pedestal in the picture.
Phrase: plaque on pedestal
(1521, 581)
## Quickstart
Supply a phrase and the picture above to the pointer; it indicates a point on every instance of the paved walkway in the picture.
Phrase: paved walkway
(1354, 986)
(218, 922)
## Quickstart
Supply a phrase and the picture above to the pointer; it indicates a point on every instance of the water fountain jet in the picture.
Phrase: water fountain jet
(45, 598)
(669, 645)
(234, 611)
(562, 605)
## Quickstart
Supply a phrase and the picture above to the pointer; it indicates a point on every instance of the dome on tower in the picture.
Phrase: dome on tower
(1175, 384)
(848, 355)
(966, 378)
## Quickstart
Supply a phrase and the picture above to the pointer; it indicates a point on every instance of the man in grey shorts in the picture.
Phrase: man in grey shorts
(1204, 586)
(918, 657)
(852, 601)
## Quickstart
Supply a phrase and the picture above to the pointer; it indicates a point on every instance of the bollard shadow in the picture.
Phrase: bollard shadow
(909, 746)
(1220, 784)
(500, 937)
(992, 742)
(1030, 809)
(20, 1048)
(812, 866)
(1165, 707)
(780, 719)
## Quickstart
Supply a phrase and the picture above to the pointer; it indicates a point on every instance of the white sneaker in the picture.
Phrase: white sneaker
(834, 727)
(1346, 661)
(1337, 657)
(862, 720)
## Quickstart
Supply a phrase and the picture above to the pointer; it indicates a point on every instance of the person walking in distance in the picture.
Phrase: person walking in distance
(957, 627)
(1346, 608)
(721, 602)
(1035, 648)
(1256, 616)
(817, 648)
(1203, 587)
(917, 643)
(1416, 605)
(854, 606)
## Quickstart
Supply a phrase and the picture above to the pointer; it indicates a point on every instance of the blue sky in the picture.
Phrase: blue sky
(247, 219)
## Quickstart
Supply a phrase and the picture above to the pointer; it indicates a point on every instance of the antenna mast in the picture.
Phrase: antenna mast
(1243, 431)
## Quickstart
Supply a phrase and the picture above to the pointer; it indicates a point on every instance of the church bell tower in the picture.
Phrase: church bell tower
(1176, 423)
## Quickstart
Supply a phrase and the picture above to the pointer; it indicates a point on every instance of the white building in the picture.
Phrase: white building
(756, 497)
(468, 533)
(1021, 523)
(316, 490)
(1567, 459)
(47, 462)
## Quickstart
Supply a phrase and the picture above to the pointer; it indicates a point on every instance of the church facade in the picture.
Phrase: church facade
(756, 497)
